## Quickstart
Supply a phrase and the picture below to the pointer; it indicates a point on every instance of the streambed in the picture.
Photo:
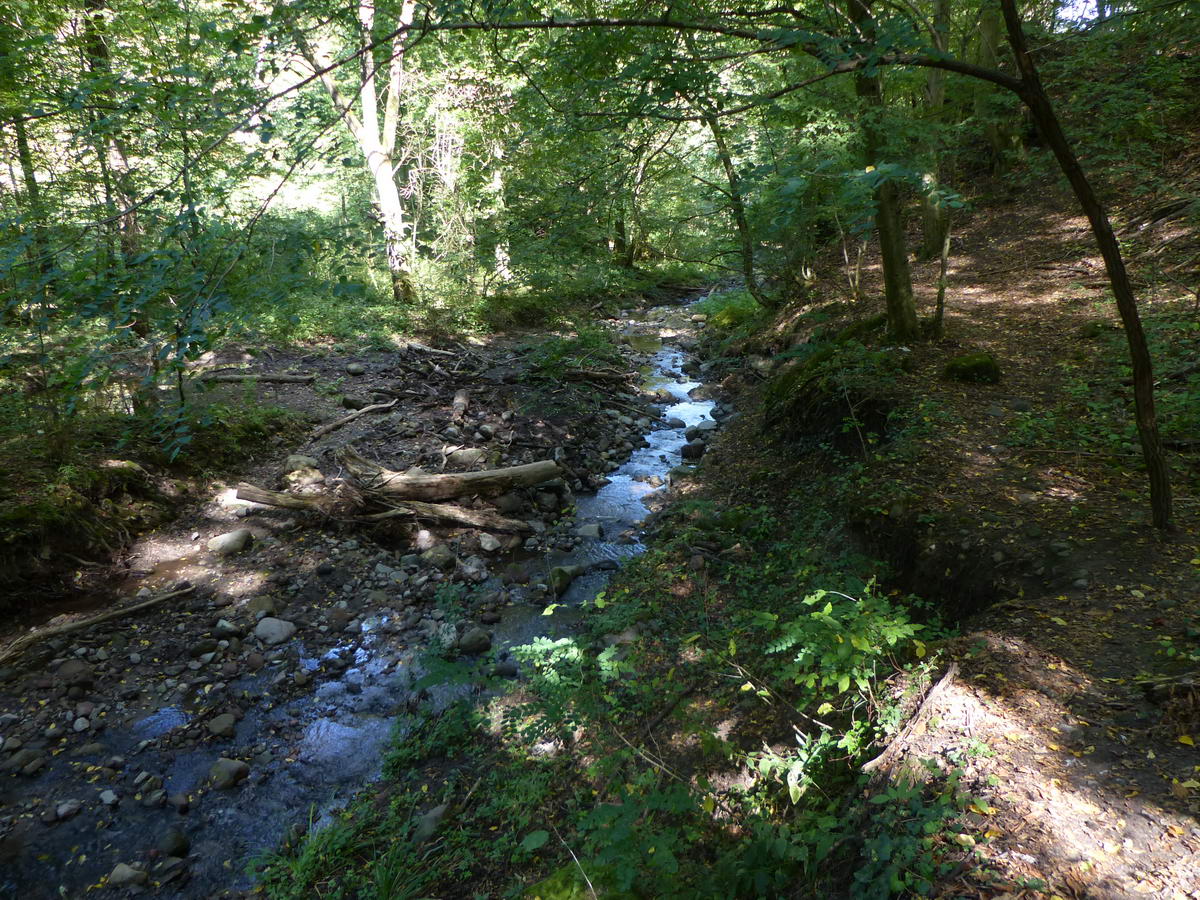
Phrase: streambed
(309, 753)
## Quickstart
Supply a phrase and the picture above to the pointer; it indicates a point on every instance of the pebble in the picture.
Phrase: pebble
(356, 369)
(223, 725)
(67, 809)
(109, 797)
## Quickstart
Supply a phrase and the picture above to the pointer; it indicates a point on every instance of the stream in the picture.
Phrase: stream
(345, 724)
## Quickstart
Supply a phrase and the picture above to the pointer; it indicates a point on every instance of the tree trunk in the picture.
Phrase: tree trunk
(1001, 135)
(935, 216)
(897, 280)
(1034, 96)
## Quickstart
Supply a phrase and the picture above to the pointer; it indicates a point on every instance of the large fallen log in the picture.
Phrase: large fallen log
(409, 509)
(396, 485)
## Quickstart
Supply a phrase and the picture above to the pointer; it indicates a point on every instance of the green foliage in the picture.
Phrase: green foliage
(910, 841)
(841, 642)
(591, 346)
(839, 392)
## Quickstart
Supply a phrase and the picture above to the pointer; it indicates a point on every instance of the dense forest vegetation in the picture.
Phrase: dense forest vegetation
(876, 201)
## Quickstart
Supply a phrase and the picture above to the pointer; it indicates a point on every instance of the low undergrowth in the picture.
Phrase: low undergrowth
(701, 736)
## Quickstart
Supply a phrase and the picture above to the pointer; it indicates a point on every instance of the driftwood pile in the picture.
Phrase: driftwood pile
(374, 493)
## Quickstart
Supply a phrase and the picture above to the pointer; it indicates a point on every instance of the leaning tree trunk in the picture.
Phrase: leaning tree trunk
(897, 280)
(737, 208)
(1034, 96)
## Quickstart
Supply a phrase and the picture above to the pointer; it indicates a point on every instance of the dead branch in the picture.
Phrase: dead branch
(318, 502)
(346, 420)
(21, 644)
(916, 725)
(598, 375)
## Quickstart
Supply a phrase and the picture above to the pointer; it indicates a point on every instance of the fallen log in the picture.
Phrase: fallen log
(255, 494)
(346, 420)
(28, 640)
(882, 763)
(490, 482)
(599, 375)
(235, 377)
(409, 509)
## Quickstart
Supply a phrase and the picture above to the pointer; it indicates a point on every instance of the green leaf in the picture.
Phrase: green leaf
(534, 840)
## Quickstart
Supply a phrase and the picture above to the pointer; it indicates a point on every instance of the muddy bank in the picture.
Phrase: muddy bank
(167, 749)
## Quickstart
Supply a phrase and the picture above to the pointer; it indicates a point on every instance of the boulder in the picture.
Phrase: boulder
(296, 461)
(439, 556)
(475, 641)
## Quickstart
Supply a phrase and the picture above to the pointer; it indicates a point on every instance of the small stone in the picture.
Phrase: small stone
(124, 874)
(589, 531)
(675, 423)
(109, 797)
(693, 449)
(273, 631)
(356, 369)
(228, 773)
(255, 661)
(81, 724)
(223, 725)
(352, 401)
(489, 543)
(231, 542)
